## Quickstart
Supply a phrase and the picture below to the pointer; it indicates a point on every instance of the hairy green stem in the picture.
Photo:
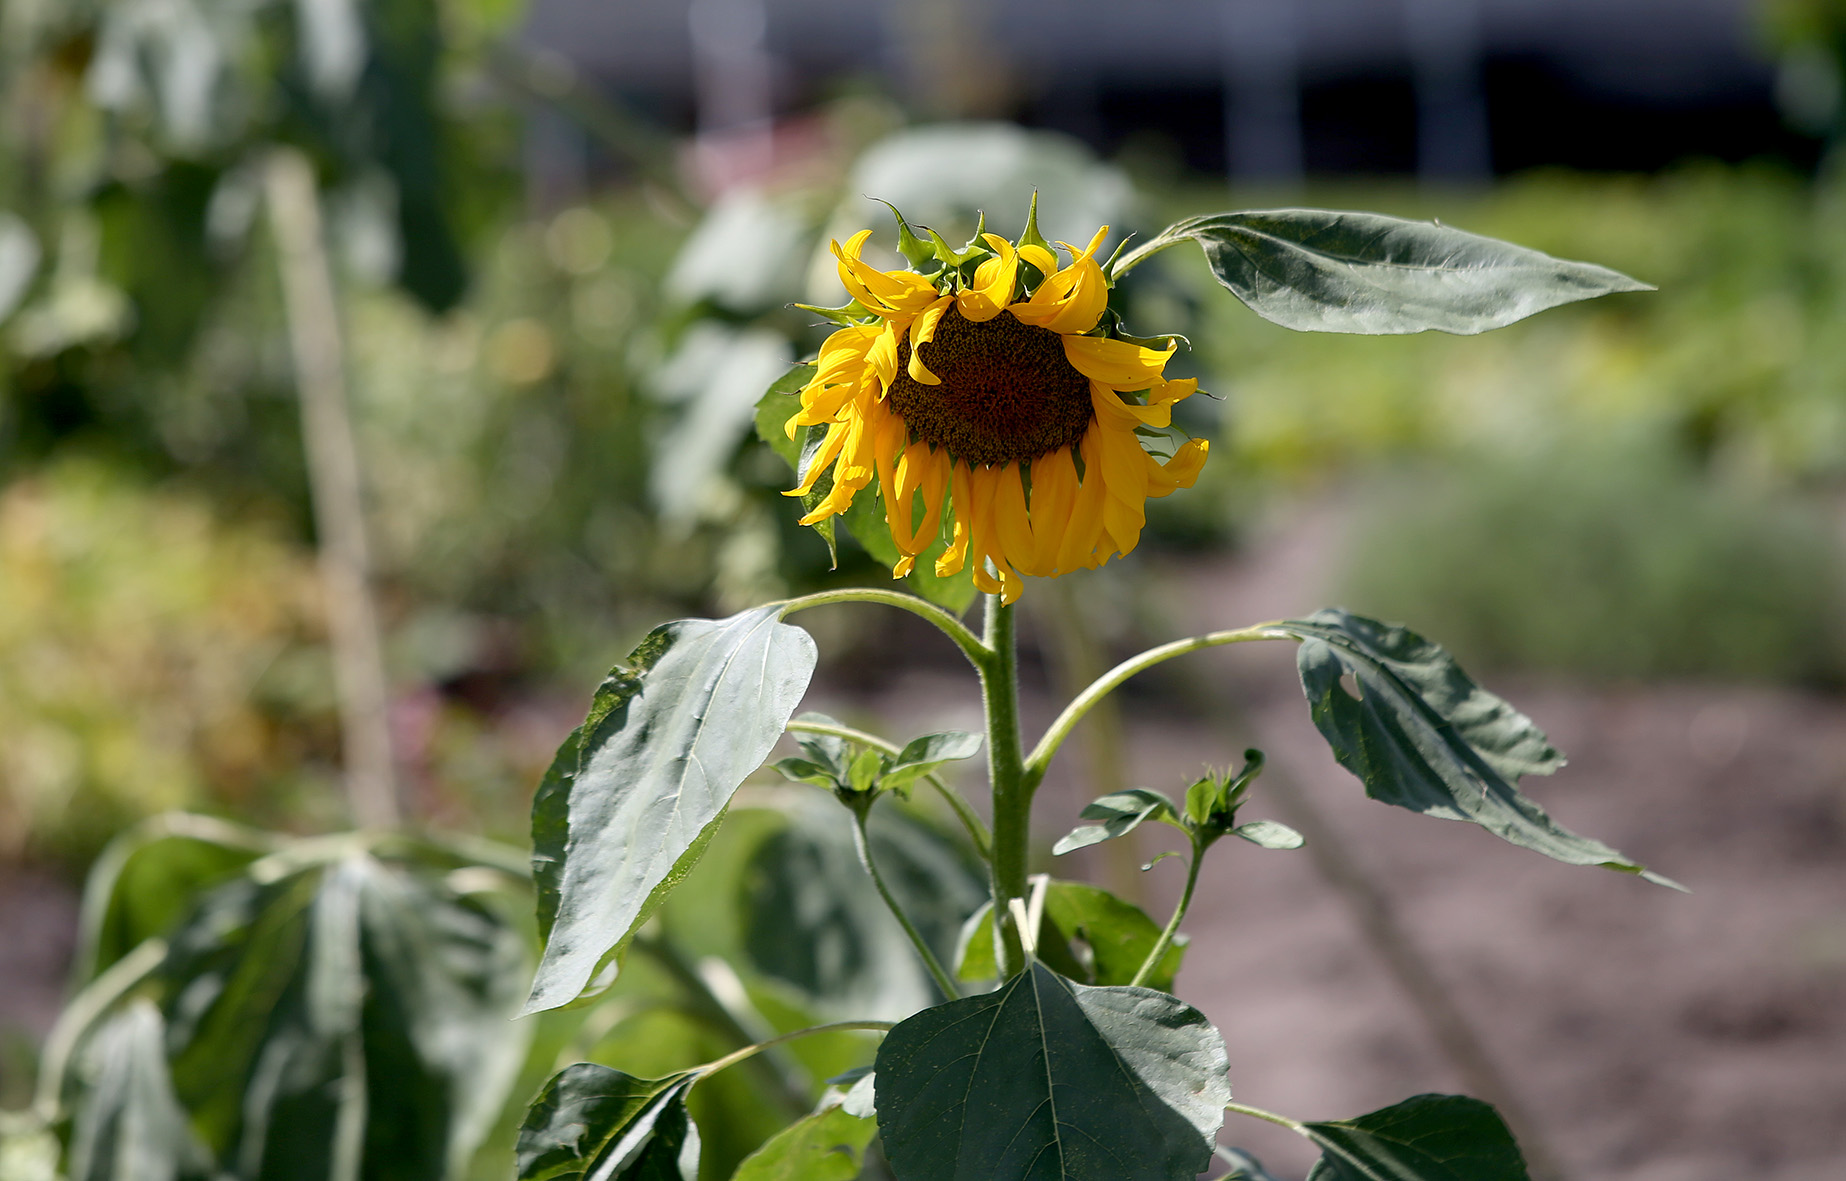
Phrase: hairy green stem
(1012, 788)
(1179, 913)
(970, 819)
(1102, 686)
(860, 811)
(971, 646)
(1258, 1113)
(736, 1056)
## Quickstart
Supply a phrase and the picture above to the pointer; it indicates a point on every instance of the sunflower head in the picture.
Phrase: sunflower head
(987, 394)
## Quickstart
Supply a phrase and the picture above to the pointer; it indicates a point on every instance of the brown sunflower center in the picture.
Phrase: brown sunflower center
(1007, 391)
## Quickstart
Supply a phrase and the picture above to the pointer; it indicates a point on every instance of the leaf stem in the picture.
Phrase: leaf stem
(736, 1056)
(1143, 252)
(83, 1011)
(1159, 950)
(1102, 686)
(977, 653)
(1258, 1113)
(860, 811)
(970, 819)
(1008, 778)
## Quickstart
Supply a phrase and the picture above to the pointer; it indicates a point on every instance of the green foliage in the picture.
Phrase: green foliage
(1424, 1138)
(591, 1121)
(826, 1146)
(1421, 735)
(1607, 565)
(668, 739)
(335, 1006)
(1085, 933)
(1318, 271)
(1049, 1078)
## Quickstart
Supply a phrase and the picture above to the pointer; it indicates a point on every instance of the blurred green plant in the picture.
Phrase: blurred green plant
(152, 656)
(1607, 564)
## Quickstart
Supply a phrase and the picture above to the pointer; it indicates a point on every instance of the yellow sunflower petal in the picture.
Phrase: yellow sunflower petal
(922, 331)
(1038, 256)
(1117, 363)
(1182, 471)
(1072, 300)
(885, 293)
(1012, 522)
(1084, 533)
(1054, 498)
(829, 451)
(961, 494)
(993, 283)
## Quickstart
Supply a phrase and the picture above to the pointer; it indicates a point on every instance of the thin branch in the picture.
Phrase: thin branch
(943, 980)
(970, 819)
(978, 654)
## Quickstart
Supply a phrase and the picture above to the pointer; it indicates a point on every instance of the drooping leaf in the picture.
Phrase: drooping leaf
(1317, 270)
(1270, 834)
(1085, 933)
(594, 1122)
(826, 1146)
(812, 920)
(128, 1123)
(1046, 1078)
(1120, 812)
(348, 1015)
(1423, 736)
(668, 741)
(149, 877)
(1424, 1138)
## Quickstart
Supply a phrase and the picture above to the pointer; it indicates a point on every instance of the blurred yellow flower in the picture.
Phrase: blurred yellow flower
(993, 396)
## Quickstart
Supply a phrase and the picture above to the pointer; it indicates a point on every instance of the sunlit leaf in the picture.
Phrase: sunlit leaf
(1317, 270)
(1120, 813)
(1085, 933)
(668, 740)
(1270, 834)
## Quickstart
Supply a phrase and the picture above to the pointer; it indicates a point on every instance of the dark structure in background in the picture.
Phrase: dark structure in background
(1259, 89)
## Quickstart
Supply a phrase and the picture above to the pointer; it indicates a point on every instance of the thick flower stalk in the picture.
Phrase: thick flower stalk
(988, 399)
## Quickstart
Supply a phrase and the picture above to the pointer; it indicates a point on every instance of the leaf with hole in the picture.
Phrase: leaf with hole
(1047, 1078)
(1424, 1138)
(668, 740)
(1318, 270)
(594, 1122)
(1421, 735)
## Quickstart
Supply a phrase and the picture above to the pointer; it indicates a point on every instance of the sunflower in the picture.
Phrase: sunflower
(990, 397)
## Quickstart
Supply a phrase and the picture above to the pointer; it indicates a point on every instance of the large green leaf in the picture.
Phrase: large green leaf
(826, 1146)
(668, 740)
(327, 1019)
(1424, 1138)
(1317, 270)
(128, 1122)
(1421, 735)
(594, 1122)
(1049, 1079)
(1085, 933)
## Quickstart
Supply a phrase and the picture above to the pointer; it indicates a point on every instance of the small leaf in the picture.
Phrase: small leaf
(803, 771)
(828, 1145)
(922, 756)
(1317, 270)
(1269, 834)
(1046, 1078)
(864, 770)
(1424, 1138)
(1244, 1167)
(1422, 736)
(669, 739)
(591, 1121)
(1120, 812)
(128, 1122)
